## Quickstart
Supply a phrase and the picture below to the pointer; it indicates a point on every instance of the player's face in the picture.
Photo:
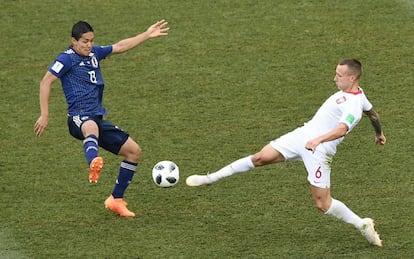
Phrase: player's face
(343, 79)
(83, 46)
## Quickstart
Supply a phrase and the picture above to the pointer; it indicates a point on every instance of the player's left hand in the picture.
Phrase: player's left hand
(380, 139)
(158, 29)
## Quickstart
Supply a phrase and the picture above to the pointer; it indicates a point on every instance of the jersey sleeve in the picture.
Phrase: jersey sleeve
(102, 51)
(366, 104)
(352, 112)
(60, 65)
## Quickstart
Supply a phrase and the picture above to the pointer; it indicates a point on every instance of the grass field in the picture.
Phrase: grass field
(230, 76)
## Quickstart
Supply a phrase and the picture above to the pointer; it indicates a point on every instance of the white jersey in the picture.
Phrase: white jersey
(341, 107)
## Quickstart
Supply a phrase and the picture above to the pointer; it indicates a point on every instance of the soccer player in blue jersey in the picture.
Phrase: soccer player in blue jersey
(78, 68)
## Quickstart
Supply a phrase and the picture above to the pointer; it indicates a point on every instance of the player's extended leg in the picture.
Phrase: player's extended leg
(328, 205)
(132, 154)
(90, 131)
(266, 156)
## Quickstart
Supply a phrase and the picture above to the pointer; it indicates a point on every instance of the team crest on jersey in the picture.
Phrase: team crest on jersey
(341, 100)
(94, 61)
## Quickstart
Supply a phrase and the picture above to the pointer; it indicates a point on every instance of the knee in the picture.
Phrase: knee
(131, 151)
(321, 197)
(136, 153)
(322, 203)
(258, 159)
(267, 155)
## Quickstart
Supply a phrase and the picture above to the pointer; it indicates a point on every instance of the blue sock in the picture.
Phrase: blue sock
(90, 147)
(126, 172)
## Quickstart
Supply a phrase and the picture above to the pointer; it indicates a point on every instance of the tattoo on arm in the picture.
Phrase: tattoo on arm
(375, 120)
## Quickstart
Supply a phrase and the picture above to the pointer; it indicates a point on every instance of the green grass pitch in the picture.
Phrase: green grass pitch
(230, 76)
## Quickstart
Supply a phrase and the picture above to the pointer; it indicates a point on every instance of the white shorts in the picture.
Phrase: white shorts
(318, 163)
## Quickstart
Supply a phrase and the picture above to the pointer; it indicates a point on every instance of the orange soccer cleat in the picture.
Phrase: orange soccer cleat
(118, 206)
(95, 169)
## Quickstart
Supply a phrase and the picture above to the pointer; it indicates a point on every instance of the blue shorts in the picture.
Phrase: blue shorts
(111, 138)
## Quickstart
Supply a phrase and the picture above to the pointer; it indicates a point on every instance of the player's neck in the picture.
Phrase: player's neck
(352, 88)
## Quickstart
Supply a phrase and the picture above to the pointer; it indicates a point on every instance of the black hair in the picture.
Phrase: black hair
(80, 28)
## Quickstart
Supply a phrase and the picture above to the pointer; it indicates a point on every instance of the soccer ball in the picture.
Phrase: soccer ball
(165, 174)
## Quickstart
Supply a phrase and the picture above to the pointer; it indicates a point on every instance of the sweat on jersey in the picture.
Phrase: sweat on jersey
(82, 80)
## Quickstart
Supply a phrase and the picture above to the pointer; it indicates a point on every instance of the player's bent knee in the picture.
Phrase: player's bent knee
(136, 152)
(131, 151)
(321, 197)
(322, 204)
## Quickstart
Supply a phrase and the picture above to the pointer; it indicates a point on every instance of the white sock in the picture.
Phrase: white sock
(340, 211)
(239, 166)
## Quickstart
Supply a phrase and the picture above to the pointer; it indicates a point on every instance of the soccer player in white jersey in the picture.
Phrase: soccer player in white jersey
(78, 68)
(315, 144)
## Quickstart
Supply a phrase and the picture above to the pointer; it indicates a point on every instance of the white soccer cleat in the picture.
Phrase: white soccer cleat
(368, 231)
(198, 180)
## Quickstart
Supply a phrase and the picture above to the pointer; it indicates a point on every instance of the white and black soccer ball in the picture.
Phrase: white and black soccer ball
(165, 174)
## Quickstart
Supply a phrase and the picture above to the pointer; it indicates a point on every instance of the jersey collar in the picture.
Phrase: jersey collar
(359, 91)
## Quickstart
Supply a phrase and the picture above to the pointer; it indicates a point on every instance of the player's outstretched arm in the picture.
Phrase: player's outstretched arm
(157, 29)
(375, 121)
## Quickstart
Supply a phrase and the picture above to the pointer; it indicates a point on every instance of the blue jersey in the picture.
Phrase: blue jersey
(82, 80)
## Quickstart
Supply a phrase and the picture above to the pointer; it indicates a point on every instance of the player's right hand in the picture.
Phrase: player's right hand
(41, 125)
